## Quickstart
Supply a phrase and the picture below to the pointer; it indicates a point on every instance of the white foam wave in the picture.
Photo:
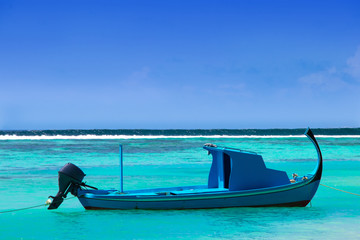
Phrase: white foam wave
(94, 137)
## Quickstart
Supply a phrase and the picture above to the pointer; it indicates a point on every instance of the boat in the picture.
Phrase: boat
(237, 178)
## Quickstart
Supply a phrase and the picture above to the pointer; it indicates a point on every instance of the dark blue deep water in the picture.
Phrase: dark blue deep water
(182, 132)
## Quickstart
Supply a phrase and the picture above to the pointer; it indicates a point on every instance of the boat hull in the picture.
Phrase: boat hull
(298, 195)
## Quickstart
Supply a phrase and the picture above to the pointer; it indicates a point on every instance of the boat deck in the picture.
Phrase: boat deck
(178, 191)
(159, 191)
(172, 191)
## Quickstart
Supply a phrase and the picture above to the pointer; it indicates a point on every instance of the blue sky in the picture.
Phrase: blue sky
(179, 64)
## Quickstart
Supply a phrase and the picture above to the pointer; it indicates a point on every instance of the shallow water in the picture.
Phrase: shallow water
(28, 175)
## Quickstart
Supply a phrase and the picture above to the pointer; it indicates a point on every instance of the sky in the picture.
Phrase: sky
(85, 64)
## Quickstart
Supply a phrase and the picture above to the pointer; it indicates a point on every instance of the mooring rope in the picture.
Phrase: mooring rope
(36, 206)
(340, 190)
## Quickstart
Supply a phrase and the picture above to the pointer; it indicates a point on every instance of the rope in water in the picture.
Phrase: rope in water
(340, 190)
(25, 208)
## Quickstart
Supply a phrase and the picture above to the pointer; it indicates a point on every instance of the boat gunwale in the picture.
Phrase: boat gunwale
(197, 196)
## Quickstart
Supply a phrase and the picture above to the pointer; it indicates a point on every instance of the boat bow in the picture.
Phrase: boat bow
(318, 170)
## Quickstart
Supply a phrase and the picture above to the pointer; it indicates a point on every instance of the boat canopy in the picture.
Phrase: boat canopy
(240, 170)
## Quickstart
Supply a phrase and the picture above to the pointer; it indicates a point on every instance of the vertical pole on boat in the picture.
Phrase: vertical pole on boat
(121, 168)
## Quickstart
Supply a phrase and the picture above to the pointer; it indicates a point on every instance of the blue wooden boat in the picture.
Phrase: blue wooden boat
(237, 179)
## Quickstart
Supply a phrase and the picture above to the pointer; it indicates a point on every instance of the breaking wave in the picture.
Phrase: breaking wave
(175, 133)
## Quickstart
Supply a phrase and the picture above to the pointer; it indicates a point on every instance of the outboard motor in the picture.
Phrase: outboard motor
(70, 179)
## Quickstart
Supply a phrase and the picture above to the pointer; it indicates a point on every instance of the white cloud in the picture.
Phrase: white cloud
(328, 80)
(237, 87)
(334, 79)
(227, 89)
(354, 65)
(138, 77)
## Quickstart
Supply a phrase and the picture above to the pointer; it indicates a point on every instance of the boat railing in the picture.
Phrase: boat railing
(229, 148)
(240, 150)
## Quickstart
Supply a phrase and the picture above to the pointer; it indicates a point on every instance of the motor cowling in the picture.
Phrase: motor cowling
(70, 179)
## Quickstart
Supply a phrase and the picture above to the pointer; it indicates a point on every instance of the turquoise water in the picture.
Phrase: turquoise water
(28, 175)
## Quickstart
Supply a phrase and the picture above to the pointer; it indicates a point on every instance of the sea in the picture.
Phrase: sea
(30, 160)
